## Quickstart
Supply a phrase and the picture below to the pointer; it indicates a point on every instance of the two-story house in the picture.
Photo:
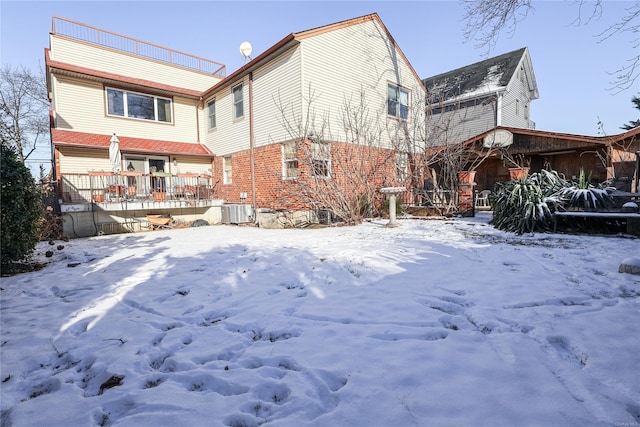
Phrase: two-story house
(490, 100)
(470, 100)
(285, 131)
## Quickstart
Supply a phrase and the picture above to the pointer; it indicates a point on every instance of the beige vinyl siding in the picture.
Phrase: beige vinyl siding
(278, 79)
(326, 65)
(80, 106)
(103, 59)
(341, 63)
(77, 160)
(276, 85)
(231, 135)
(191, 165)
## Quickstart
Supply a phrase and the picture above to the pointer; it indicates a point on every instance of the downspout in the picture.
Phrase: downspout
(55, 158)
(499, 109)
(201, 101)
(251, 148)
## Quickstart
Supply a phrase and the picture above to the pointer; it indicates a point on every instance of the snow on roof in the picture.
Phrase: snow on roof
(488, 76)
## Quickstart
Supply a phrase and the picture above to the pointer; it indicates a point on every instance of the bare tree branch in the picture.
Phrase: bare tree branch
(486, 19)
(23, 109)
(626, 76)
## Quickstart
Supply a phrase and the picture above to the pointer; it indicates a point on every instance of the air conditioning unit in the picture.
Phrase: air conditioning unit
(236, 214)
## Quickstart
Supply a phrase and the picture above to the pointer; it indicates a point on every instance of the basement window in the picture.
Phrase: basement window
(290, 160)
(320, 159)
(227, 170)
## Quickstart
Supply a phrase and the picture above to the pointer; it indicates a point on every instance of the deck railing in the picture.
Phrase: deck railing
(86, 33)
(107, 187)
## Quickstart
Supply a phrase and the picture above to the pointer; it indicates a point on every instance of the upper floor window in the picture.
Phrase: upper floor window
(320, 159)
(238, 102)
(290, 159)
(397, 102)
(517, 107)
(138, 106)
(211, 112)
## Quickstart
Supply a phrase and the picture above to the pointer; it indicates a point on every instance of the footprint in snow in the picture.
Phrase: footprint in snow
(566, 351)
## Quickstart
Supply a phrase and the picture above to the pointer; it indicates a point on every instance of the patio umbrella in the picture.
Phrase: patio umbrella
(114, 154)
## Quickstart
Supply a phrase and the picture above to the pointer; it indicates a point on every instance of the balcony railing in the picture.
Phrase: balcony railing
(107, 187)
(88, 34)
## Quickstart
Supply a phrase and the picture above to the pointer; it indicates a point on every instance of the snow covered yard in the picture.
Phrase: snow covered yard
(434, 323)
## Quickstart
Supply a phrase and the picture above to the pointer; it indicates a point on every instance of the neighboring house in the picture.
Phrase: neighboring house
(468, 101)
(192, 139)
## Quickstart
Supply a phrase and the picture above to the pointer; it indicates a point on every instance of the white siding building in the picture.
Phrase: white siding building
(470, 100)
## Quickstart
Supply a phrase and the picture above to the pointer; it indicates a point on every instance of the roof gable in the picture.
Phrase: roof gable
(488, 76)
(294, 39)
(356, 21)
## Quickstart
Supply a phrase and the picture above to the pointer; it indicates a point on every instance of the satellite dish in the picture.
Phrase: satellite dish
(499, 138)
(245, 49)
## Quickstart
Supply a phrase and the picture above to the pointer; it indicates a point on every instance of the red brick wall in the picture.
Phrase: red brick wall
(350, 165)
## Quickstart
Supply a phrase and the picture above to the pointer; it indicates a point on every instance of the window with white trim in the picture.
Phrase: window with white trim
(211, 113)
(290, 160)
(397, 102)
(227, 170)
(238, 102)
(517, 107)
(320, 159)
(136, 105)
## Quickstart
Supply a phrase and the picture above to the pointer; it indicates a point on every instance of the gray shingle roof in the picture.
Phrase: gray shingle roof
(484, 76)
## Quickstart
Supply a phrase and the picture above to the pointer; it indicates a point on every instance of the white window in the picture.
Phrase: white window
(211, 112)
(138, 106)
(320, 159)
(397, 102)
(238, 102)
(290, 159)
(526, 111)
(402, 166)
(517, 107)
(227, 168)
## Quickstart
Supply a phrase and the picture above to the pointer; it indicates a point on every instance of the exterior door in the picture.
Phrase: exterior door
(157, 165)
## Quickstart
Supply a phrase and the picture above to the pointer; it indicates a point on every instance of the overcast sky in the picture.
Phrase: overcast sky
(572, 65)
